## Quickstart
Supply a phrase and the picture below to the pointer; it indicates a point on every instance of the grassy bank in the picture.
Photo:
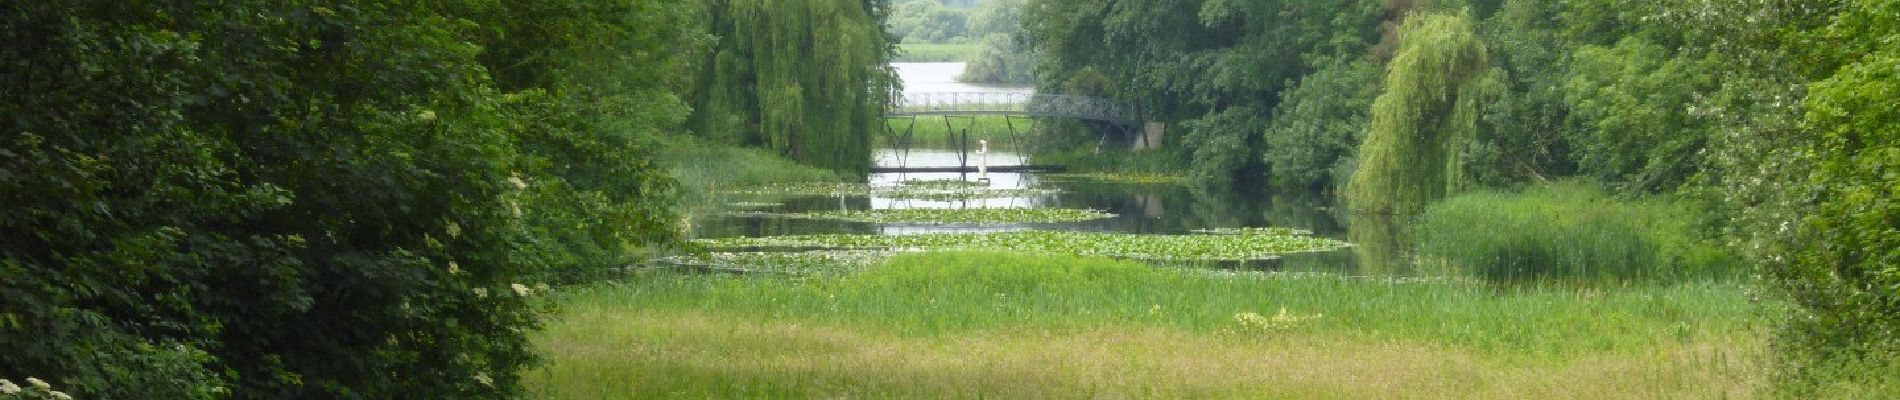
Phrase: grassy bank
(704, 169)
(925, 52)
(988, 325)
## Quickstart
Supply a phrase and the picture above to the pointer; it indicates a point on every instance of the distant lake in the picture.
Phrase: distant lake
(942, 77)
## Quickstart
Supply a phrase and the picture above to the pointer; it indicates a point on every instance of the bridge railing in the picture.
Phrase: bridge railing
(1016, 103)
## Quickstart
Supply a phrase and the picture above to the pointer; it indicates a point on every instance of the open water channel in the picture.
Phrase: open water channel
(1139, 208)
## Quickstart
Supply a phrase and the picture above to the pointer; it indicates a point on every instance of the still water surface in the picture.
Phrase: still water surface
(1139, 208)
(942, 77)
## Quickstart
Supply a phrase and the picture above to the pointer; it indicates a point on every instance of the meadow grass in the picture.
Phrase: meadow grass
(929, 52)
(936, 325)
(1568, 230)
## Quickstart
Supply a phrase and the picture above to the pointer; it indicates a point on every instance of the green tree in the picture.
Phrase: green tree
(1318, 125)
(259, 199)
(1215, 68)
(1007, 56)
(808, 79)
(1842, 266)
(1633, 105)
(589, 86)
(1426, 117)
(928, 21)
(1526, 131)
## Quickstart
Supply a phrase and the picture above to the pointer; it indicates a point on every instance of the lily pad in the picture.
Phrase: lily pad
(1240, 246)
(961, 216)
(931, 191)
(825, 262)
(944, 184)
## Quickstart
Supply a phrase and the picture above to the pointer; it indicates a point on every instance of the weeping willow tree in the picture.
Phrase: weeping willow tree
(1428, 113)
(808, 78)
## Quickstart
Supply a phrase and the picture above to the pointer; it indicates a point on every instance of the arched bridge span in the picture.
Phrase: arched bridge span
(1020, 104)
(1114, 116)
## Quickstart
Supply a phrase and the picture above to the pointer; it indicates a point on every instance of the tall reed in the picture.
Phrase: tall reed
(1568, 230)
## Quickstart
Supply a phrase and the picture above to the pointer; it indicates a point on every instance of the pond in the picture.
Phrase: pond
(1133, 208)
(1142, 207)
(938, 77)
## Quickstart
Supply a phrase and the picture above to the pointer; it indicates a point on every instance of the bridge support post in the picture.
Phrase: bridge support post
(901, 144)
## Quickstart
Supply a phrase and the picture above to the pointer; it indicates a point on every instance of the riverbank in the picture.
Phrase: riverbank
(925, 52)
(1058, 326)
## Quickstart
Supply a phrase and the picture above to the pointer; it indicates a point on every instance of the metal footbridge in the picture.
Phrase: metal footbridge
(1017, 104)
(966, 106)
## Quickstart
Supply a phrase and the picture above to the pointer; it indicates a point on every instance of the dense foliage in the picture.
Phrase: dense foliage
(929, 21)
(949, 21)
(1838, 260)
(1427, 115)
(1006, 56)
(260, 199)
(1215, 68)
(1777, 110)
(808, 79)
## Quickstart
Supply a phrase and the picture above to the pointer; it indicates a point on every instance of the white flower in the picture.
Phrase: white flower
(7, 387)
(61, 396)
(484, 380)
(519, 184)
(426, 116)
(36, 382)
(521, 290)
(454, 268)
(481, 292)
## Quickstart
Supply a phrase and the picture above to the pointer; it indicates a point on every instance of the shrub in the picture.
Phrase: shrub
(1567, 230)
(262, 199)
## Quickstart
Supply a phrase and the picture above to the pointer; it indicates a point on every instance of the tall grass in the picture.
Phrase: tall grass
(946, 293)
(703, 168)
(928, 52)
(932, 132)
(989, 324)
(1568, 230)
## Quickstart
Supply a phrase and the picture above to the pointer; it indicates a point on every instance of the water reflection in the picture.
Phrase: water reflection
(1139, 208)
(1380, 243)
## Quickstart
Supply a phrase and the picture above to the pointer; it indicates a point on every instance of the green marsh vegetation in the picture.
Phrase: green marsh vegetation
(706, 173)
(1013, 325)
(1570, 231)
(1240, 245)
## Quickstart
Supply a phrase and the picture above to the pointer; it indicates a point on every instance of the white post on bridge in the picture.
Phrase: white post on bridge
(983, 160)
